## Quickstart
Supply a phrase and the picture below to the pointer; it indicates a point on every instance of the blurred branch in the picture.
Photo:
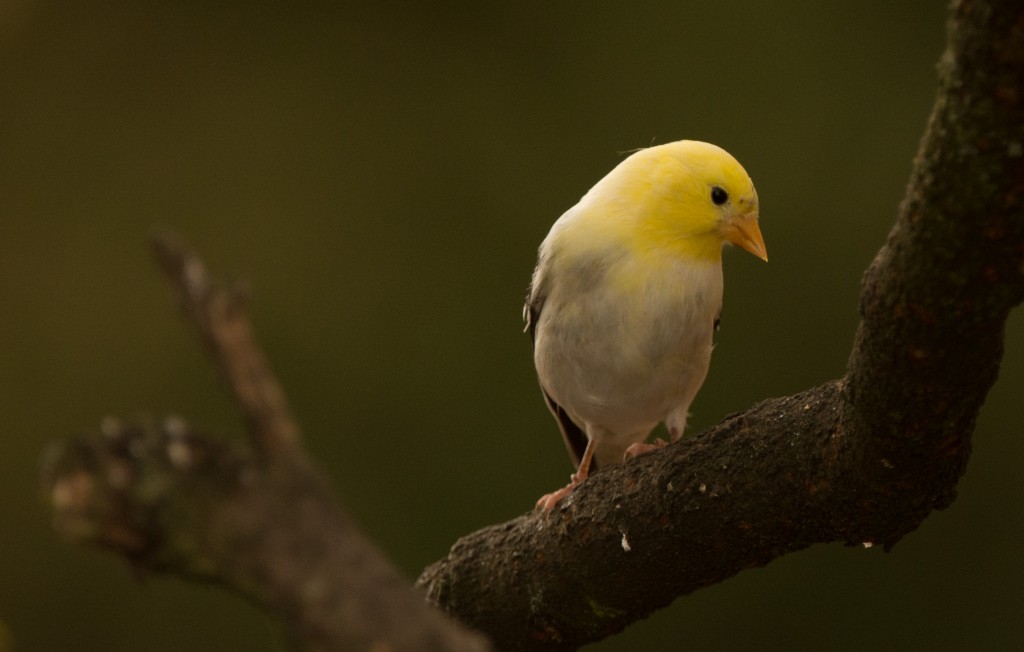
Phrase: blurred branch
(862, 460)
(259, 519)
(220, 316)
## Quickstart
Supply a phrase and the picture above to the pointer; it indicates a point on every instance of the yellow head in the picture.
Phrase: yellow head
(687, 198)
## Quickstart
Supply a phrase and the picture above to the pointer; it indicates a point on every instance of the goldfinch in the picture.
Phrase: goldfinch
(627, 294)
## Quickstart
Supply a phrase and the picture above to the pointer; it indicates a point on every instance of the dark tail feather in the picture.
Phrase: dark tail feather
(575, 438)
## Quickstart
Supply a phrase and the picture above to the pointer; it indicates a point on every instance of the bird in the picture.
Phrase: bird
(626, 297)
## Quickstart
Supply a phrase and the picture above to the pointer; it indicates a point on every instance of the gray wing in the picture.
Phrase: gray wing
(574, 436)
(535, 296)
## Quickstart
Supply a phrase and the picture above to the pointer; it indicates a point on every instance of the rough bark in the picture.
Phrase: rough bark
(863, 459)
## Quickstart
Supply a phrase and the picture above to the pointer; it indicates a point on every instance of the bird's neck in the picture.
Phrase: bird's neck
(671, 243)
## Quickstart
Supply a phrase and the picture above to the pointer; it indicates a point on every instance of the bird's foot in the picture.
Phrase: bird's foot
(642, 448)
(547, 502)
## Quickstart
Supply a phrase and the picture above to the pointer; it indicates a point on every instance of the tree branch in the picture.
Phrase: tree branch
(261, 520)
(220, 317)
(861, 460)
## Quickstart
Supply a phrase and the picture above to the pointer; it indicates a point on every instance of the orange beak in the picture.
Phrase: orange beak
(744, 232)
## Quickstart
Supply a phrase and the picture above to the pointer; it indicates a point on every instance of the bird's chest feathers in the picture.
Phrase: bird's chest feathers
(666, 307)
(659, 308)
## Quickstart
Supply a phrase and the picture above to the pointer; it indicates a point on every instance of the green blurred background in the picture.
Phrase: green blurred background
(383, 175)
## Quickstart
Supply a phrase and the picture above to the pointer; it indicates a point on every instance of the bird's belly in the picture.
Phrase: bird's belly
(627, 398)
(625, 370)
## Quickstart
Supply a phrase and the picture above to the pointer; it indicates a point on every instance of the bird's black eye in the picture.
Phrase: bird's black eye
(718, 195)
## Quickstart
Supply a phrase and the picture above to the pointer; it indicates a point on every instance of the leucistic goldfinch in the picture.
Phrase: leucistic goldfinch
(627, 294)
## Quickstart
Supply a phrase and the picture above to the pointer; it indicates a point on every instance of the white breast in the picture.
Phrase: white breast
(624, 343)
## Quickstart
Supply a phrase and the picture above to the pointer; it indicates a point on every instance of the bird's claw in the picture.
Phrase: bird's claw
(642, 448)
(548, 502)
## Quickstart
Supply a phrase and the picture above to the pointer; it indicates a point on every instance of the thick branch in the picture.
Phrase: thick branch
(936, 297)
(861, 460)
(633, 538)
